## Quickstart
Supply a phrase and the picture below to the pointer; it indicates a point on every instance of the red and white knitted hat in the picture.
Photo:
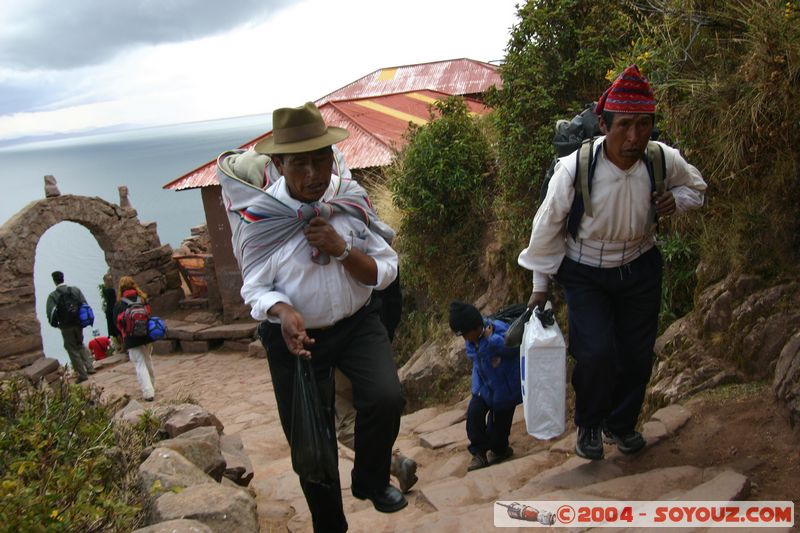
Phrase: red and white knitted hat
(630, 93)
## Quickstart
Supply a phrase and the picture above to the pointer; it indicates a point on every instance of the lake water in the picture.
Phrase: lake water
(142, 159)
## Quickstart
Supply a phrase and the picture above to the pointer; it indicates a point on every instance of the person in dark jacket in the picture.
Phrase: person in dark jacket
(71, 333)
(496, 385)
(109, 300)
(140, 348)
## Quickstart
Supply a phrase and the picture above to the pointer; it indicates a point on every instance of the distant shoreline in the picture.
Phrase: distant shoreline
(16, 142)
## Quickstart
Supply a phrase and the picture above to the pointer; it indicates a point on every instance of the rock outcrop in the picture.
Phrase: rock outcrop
(435, 365)
(181, 475)
(740, 330)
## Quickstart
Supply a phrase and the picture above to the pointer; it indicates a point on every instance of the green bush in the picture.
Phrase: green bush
(441, 182)
(63, 466)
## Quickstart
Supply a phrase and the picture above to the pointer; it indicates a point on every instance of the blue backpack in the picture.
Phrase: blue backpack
(156, 328)
(86, 315)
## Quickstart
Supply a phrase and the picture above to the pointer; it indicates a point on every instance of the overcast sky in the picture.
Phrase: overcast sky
(77, 65)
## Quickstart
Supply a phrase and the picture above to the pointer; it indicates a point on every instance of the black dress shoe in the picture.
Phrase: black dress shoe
(388, 500)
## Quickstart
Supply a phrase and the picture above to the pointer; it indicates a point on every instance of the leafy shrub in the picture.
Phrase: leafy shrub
(63, 466)
(441, 182)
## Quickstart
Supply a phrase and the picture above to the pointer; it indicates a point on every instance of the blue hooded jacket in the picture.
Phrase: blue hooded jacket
(500, 387)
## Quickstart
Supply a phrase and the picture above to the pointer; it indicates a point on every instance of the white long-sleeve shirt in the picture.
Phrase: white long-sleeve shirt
(620, 230)
(322, 294)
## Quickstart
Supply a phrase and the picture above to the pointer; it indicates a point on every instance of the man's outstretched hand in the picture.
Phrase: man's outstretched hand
(293, 329)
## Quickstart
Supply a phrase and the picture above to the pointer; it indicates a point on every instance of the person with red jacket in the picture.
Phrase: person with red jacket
(140, 347)
(99, 345)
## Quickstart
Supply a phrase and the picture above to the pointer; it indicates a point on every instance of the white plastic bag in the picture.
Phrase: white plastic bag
(543, 370)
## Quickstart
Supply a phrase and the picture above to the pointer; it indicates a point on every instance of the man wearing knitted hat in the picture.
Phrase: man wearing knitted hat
(604, 256)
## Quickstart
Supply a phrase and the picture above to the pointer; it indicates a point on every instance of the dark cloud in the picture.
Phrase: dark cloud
(59, 34)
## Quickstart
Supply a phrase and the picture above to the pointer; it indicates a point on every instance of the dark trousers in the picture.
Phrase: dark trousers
(487, 429)
(79, 356)
(360, 348)
(613, 321)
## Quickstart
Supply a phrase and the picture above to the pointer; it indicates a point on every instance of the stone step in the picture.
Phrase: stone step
(193, 303)
(18, 361)
(485, 484)
(556, 473)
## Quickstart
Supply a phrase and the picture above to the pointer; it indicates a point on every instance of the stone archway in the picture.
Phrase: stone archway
(130, 248)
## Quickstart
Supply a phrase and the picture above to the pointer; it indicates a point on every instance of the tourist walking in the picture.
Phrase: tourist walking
(62, 313)
(109, 300)
(131, 311)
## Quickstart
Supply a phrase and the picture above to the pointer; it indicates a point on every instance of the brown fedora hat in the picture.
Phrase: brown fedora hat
(299, 129)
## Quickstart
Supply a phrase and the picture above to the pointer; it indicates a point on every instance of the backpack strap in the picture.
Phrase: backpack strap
(656, 169)
(583, 183)
(655, 154)
(581, 203)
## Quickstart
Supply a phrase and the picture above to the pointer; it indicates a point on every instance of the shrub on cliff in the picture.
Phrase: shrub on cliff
(63, 465)
(728, 74)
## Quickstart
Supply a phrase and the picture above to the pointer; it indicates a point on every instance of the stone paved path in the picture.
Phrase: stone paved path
(237, 389)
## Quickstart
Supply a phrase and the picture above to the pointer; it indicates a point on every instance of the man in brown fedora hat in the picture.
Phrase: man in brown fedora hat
(311, 250)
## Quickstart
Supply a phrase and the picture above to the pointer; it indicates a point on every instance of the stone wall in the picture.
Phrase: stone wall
(130, 247)
(228, 275)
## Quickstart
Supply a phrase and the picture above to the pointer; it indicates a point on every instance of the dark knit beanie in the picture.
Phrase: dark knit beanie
(630, 93)
(464, 317)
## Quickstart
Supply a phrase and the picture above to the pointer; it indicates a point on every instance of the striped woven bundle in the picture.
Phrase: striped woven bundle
(261, 223)
(630, 93)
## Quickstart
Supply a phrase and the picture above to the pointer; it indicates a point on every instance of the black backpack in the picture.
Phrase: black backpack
(578, 135)
(568, 137)
(68, 308)
(510, 313)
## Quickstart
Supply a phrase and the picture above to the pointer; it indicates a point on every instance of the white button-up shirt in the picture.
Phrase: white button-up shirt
(322, 294)
(620, 230)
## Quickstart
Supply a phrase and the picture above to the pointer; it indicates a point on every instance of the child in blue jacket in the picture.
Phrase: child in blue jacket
(496, 388)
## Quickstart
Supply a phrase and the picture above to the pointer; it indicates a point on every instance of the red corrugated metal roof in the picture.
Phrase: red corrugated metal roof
(377, 112)
(454, 76)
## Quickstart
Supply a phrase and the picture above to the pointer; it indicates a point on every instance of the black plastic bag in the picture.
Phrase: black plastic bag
(515, 331)
(313, 443)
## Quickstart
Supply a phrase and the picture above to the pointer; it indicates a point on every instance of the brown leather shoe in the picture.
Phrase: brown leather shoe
(405, 470)
(479, 460)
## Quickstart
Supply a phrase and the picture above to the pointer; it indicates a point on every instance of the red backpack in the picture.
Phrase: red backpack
(132, 322)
